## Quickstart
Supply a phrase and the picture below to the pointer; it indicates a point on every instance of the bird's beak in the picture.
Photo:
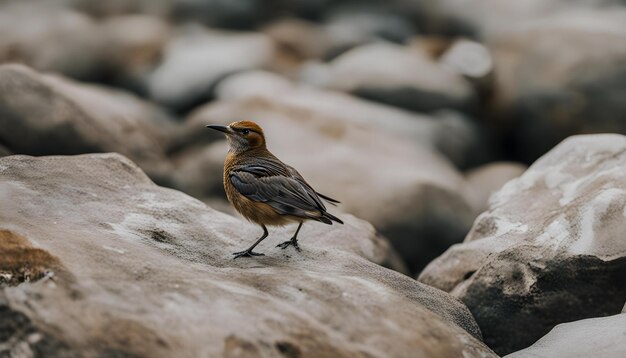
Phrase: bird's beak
(224, 129)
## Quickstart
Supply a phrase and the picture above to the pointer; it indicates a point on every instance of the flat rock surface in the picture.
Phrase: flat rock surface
(549, 250)
(137, 269)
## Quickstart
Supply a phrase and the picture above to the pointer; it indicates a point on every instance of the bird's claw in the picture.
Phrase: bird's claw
(246, 253)
(288, 243)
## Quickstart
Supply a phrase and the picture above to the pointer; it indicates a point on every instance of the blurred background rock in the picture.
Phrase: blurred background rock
(411, 112)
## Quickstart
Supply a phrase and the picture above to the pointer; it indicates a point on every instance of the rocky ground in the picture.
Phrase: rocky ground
(422, 118)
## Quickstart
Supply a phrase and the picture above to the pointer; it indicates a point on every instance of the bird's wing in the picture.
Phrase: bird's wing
(274, 185)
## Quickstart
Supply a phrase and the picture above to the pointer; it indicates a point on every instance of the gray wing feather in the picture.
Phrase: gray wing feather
(277, 186)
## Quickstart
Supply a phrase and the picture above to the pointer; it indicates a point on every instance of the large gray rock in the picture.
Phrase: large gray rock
(133, 269)
(367, 155)
(560, 76)
(395, 75)
(46, 114)
(550, 249)
(594, 337)
(197, 59)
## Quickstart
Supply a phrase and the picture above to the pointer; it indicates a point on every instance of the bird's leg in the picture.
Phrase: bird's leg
(248, 252)
(293, 241)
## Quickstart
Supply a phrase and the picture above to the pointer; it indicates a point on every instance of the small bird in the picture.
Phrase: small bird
(265, 190)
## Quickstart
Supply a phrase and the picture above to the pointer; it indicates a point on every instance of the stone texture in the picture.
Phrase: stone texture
(46, 114)
(197, 59)
(147, 271)
(359, 152)
(594, 337)
(414, 81)
(550, 248)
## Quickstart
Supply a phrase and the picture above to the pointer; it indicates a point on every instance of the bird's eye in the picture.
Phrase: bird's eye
(245, 131)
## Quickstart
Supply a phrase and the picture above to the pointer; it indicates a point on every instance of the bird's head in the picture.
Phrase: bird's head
(242, 136)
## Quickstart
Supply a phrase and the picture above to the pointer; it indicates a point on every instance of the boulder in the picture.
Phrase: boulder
(50, 38)
(594, 337)
(550, 248)
(197, 59)
(560, 76)
(359, 152)
(488, 179)
(134, 269)
(414, 81)
(45, 114)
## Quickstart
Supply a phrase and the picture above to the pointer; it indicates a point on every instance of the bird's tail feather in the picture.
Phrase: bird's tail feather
(329, 199)
(330, 217)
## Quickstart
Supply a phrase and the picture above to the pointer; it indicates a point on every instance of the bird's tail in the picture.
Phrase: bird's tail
(329, 199)
(329, 217)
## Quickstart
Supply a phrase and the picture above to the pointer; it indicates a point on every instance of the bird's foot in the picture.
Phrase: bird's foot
(246, 253)
(288, 243)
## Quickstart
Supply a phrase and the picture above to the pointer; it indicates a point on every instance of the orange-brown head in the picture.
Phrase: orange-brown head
(242, 136)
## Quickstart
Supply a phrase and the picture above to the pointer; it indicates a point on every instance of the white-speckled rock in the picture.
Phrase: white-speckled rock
(140, 270)
(550, 249)
(595, 337)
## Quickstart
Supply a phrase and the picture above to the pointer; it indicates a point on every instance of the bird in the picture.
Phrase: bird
(264, 190)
